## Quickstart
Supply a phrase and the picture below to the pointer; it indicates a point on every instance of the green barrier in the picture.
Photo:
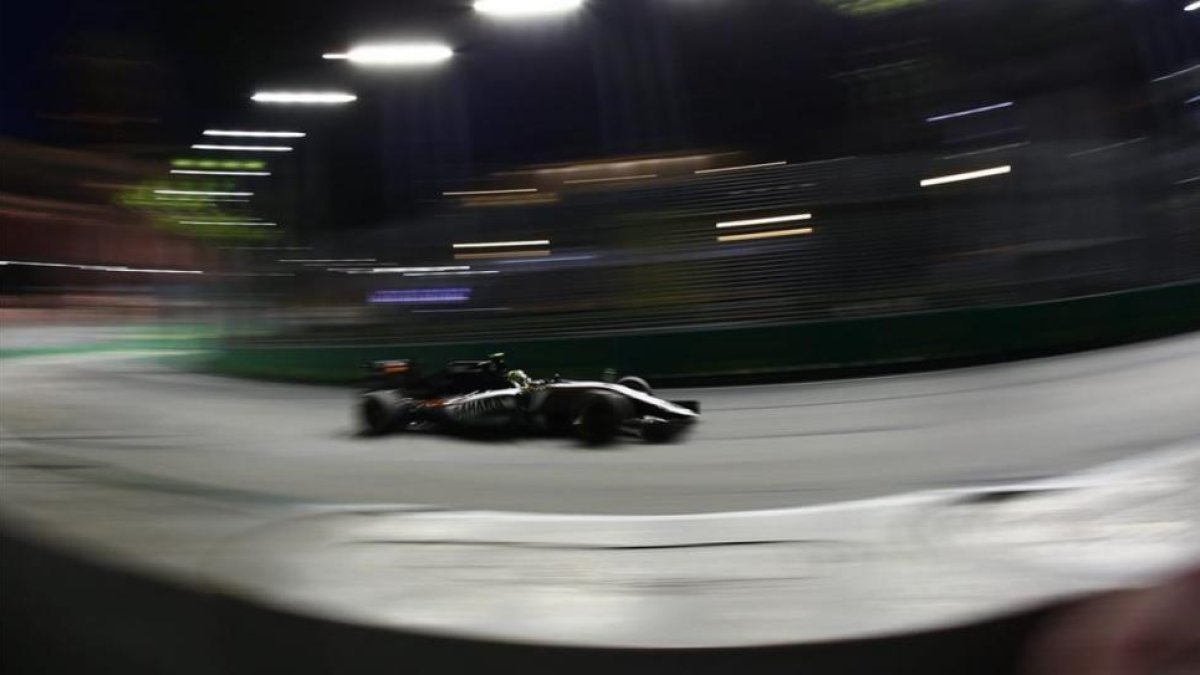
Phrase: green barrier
(902, 341)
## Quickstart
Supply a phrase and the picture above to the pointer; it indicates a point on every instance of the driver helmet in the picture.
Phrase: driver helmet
(517, 378)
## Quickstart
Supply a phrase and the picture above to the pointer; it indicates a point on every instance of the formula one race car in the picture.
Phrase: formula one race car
(484, 396)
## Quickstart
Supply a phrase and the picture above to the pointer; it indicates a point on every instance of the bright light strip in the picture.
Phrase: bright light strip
(522, 8)
(98, 268)
(250, 148)
(450, 274)
(204, 193)
(972, 111)
(1192, 7)
(580, 181)
(499, 244)
(241, 223)
(742, 167)
(415, 54)
(201, 199)
(969, 175)
(502, 254)
(420, 295)
(254, 134)
(303, 97)
(472, 193)
(765, 235)
(764, 221)
(200, 172)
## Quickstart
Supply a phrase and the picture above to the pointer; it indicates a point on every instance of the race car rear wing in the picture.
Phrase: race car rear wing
(392, 373)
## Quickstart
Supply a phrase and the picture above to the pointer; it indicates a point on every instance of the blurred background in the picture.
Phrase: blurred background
(701, 192)
(614, 167)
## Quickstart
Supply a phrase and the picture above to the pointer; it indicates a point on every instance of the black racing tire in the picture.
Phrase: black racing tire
(663, 432)
(381, 412)
(601, 416)
(636, 383)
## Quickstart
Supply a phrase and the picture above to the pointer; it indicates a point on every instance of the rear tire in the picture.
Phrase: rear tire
(381, 412)
(636, 384)
(601, 416)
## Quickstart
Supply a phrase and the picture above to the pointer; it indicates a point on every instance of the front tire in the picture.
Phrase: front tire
(601, 416)
(636, 383)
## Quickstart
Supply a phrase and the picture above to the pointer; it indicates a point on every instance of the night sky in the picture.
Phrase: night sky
(621, 77)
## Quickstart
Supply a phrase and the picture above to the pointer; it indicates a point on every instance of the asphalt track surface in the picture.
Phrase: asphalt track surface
(757, 447)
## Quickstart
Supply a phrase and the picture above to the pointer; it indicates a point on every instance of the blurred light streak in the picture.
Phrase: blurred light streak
(239, 223)
(242, 148)
(969, 175)
(523, 8)
(1192, 7)
(489, 201)
(400, 270)
(1193, 179)
(742, 167)
(414, 54)
(501, 254)
(972, 111)
(303, 97)
(561, 258)
(420, 295)
(257, 274)
(1176, 73)
(450, 274)
(501, 244)
(324, 260)
(254, 134)
(627, 164)
(98, 268)
(765, 235)
(255, 164)
(470, 193)
(1110, 146)
(870, 70)
(204, 172)
(110, 186)
(1192, 100)
(827, 161)
(204, 193)
(984, 134)
(266, 248)
(984, 151)
(202, 199)
(455, 311)
(582, 181)
(764, 221)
